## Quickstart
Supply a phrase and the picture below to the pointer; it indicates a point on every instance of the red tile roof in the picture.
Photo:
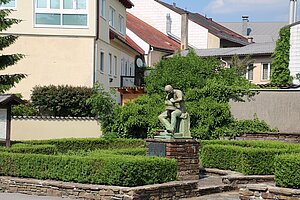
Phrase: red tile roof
(127, 3)
(127, 40)
(150, 35)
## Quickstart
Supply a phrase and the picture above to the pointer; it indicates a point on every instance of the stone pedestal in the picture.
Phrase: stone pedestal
(186, 152)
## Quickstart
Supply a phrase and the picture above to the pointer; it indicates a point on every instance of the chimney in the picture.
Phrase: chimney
(293, 11)
(169, 23)
(250, 40)
(174, 4)
(184, 31)
(245, 25)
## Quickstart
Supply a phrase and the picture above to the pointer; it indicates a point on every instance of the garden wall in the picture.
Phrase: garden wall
(42, 128)
(279, 108)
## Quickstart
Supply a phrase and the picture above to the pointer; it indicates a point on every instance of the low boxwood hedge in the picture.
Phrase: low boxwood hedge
(89, 144)
(246, 160)
(108, 170)
(32, 149)
(131, 152)
(287, 170)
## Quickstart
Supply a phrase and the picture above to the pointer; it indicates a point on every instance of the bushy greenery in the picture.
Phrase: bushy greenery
(247, 157)
(89, 144)
(207, 86)
(108, 170)
(24, 110)
(280, 73)
(287, 171)
(62, 100)
(31, 149)
(8, 81)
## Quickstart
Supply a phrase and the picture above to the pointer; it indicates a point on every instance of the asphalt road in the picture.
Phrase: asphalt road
(10, 196)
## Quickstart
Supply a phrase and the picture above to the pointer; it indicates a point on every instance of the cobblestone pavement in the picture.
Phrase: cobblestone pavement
(13, 196)
(218, 196)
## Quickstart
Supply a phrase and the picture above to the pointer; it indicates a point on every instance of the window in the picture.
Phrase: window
(102, 8)
(266, 71)
(110, 64)
(121, 25)
(115, 65)
(112, 13)
(249, 74)
(61, 13)
(123, 67)
(102, 61)
(10, 5)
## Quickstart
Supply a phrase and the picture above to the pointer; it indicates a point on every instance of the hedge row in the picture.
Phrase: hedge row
(32, 149)
(246, 160)
(89, 144)
(287, 170)
(131, 152)
(110, 170)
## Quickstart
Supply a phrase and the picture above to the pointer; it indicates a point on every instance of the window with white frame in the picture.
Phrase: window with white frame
(110, 68)
(102, 61)
(249, 73)
(10, 5)
(115, 65)
(103, 8)
(123, 67)
(266, 71)
(61, 13)
(112, 17)
(121, 25)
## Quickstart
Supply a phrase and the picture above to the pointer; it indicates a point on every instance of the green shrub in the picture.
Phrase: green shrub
(89, 144)
(110, 170)
(31, 149)
(62, 100)
(287, 171)
(247, 160)
(24, 110)
(131, 152)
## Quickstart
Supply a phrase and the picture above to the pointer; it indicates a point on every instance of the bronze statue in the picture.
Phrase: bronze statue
(179, 123)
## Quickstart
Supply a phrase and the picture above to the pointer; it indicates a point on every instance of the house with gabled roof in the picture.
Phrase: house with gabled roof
(75, 43)
(154, 43)
(202, 32)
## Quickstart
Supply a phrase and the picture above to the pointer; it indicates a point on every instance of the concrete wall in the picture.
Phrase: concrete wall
(43, 128)
(213, 41)
(279, 108)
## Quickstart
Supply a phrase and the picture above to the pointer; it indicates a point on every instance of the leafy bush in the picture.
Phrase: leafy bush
(280, 73)
(287, 171)
(112, 170)
(247, 160)
(24, 110)
(89, 144)
(62, 100)
(130, 151)
(31, 149)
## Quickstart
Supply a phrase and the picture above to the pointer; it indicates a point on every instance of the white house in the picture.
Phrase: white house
(294, 64)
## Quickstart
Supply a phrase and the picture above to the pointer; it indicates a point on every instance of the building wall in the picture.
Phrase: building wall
(213, 41)
(155, 14)
(52, 60)
(279, 108)
(294, 64)
(43, 129)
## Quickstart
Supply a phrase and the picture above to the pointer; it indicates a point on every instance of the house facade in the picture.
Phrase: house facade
(294, 63)
(202, 32)
(70, 42)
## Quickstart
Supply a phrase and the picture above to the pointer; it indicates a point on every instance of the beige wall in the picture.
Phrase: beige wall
(213, 41)
(155, 56)
(25, 11)
(42, 129)
(52, 60)
(279, 108)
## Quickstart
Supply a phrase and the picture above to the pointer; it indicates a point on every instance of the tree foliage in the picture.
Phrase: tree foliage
(280, 64)
(207, 86)
(8, 81)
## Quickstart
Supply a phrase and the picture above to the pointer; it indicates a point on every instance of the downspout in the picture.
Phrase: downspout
(95, 42)
(225, 62)
(150, 56)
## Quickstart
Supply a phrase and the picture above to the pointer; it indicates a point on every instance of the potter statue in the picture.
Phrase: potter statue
(175, 118)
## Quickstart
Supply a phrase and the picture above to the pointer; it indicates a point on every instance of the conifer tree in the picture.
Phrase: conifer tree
(8, 81)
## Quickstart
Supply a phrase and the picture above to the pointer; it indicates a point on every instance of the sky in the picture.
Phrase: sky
(233, 10)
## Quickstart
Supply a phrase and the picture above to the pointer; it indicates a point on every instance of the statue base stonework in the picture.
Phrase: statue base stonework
(185, 151)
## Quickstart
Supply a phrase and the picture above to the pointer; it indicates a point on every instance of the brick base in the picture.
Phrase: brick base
(186, 152)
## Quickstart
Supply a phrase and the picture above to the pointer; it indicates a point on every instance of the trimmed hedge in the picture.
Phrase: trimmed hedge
(111, 170)
(89, 144)
(287, 171)
(131, 152)
(31, 149)
(246, 160)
